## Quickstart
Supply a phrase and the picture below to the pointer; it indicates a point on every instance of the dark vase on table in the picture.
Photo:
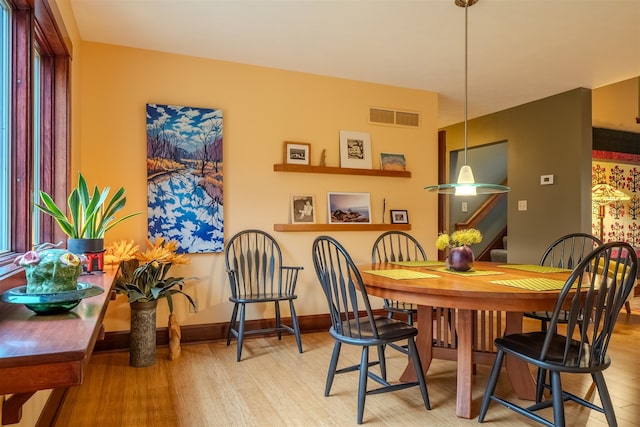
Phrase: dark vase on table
(460, 258)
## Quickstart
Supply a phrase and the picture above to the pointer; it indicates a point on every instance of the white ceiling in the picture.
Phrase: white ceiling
(519, 50)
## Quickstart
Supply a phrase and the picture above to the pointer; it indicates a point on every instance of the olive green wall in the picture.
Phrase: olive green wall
(551, 136)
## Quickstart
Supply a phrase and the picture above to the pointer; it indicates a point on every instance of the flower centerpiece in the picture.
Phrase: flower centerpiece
(460, 255)
(143, 279)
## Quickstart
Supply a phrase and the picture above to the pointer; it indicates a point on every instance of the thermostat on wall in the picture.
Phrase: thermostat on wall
(546, 179)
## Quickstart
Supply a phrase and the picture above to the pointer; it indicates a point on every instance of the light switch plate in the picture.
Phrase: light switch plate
(522, 205)
(465, 207)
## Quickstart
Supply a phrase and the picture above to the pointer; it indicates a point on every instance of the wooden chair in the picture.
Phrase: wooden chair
(256, 275)
(594, 299)
(344, 290)
(392, 246)
(566, 252)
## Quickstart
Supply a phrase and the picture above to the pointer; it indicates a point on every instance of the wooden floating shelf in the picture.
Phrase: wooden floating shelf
(341, 171)
(341, 227)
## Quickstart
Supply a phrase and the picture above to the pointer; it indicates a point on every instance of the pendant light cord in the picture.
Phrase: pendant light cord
(466, 84)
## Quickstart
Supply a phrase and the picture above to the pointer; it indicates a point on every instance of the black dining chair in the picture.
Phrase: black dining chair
(594, 293)
(393, 246)
(398, 246)
(353, 323)
(566, 252)
(256, 276)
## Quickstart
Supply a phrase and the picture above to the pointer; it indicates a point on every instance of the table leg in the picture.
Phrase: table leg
(424, 341)
(465, 363)
(521, 379)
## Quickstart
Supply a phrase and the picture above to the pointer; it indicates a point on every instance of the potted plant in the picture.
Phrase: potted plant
(90, 216)
(143, 279)
(460, 255)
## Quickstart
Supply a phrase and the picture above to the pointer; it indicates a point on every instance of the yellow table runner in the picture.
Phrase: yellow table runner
(402, 274)
(471, 272)
(535, 268)
(537, 284)
(419, 263)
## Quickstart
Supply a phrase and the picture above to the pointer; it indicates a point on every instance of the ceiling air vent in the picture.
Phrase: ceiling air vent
(393, 117)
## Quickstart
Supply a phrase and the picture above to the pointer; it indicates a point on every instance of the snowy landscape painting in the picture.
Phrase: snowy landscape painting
(184, 177)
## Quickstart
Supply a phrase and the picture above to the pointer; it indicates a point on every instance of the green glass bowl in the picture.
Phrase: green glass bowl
(58, 302)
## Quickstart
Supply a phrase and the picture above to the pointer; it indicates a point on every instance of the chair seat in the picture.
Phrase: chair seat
(262, 298)
(389, 330)
(529, 345)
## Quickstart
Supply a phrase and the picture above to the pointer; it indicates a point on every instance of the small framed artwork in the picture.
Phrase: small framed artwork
(303, 209)
(355, 150)
(296, 153)
(399, 217)
(347, 208)
(392, 162)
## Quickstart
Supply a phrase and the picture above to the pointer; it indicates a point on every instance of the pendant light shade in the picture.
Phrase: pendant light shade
(466, 184)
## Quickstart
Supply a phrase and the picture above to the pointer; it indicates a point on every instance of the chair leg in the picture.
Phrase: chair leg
(240, 333)
(627, 307)
(383, 362)
(417, 366)
(491, 385)
(296, 326)
(540, 382)
(331, 373)
(558, 398)
(362, 383)
(605, 399)
(232, 322)
(278, 319)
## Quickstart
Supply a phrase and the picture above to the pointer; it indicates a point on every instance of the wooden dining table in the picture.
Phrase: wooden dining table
(429, 284)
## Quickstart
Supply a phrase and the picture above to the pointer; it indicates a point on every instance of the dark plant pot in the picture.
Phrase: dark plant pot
(83, 246)
(460, 258)
(142, 339)
(92, 248)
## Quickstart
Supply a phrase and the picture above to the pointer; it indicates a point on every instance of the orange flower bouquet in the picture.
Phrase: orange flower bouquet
(143, 275)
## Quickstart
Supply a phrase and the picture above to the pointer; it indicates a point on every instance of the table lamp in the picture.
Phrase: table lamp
(603, 194)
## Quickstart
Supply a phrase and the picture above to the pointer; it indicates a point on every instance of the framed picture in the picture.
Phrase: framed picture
(296, 153)
(349, 208)
(303, 209)
(399, 217)
(392, 162)
(355, 150)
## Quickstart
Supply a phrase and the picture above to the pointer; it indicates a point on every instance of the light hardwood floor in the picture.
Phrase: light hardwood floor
(276, 386)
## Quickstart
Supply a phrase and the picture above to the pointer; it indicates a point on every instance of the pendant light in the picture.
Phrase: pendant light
(466, 184)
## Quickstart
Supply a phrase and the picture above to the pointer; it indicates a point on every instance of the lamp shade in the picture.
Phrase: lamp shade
(602, 194)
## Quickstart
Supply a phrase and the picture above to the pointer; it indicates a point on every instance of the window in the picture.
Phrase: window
(35, 122)
(37, 145)
(5, 104)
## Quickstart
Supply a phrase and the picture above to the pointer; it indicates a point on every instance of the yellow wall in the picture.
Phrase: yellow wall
(617, 105)
(262, 108)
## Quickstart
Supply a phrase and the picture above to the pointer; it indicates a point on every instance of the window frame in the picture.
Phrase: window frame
(36, 25)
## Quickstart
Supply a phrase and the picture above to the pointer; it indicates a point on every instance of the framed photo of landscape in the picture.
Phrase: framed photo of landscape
(349, 208)
(296, 153)
(392, 162)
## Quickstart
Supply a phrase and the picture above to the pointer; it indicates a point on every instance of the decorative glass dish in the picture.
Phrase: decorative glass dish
(58, 302)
